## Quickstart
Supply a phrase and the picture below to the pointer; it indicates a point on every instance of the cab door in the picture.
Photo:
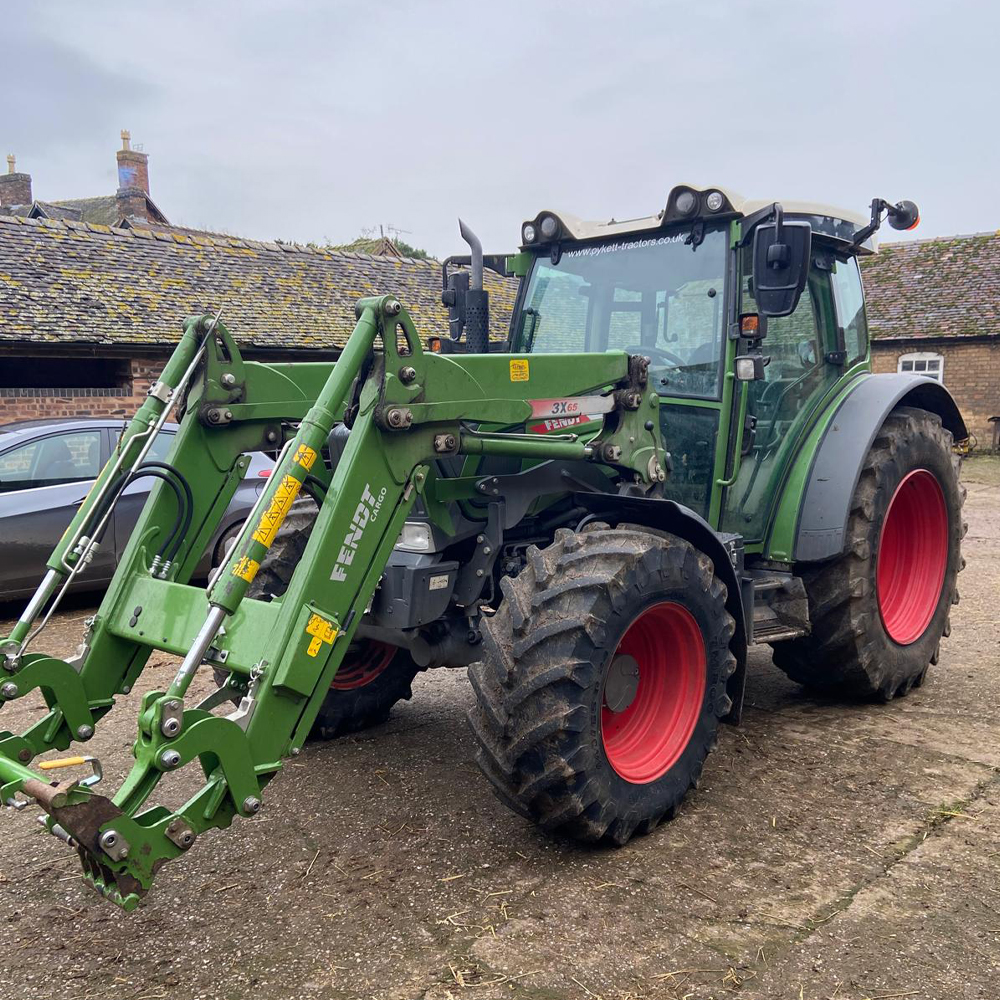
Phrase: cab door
(806, 363)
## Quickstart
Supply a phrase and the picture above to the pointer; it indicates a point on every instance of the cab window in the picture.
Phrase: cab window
(661, 296)
(850, 301)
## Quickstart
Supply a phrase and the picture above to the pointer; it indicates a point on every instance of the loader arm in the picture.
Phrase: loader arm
(406, 408)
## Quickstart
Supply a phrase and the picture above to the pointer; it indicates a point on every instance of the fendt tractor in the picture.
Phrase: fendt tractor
(678, 451)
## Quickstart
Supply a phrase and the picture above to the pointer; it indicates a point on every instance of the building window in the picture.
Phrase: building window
(923, 363)
(27, 377)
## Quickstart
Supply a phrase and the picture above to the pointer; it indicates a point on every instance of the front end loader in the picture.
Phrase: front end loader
(678, 452)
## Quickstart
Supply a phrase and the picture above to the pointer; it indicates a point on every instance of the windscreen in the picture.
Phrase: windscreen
(662, 296)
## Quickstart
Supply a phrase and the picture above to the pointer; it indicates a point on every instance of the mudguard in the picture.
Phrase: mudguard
(836, 463)
(725, 551)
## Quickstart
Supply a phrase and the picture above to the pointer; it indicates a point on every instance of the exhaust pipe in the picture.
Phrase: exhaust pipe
(477, 299)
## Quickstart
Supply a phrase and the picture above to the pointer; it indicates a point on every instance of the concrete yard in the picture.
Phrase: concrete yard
(832, 851)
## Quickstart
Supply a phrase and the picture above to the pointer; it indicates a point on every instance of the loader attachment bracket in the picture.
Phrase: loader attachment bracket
(63, 691)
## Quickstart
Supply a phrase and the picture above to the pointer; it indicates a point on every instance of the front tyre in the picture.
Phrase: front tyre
(603, 681)
(879, 611)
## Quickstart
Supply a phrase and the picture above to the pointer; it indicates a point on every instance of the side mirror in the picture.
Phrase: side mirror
(781, 253)
(455, 297)
(903, 215)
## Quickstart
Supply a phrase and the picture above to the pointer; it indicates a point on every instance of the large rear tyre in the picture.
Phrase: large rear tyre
(373, 676)
(603, 681)
(879, 611)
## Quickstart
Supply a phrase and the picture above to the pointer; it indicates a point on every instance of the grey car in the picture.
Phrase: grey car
(46, 469)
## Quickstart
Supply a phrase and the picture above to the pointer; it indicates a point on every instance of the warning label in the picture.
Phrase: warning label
(246, 569)
(305, 457)
(281, 503)
(321, 631)
(519, 370)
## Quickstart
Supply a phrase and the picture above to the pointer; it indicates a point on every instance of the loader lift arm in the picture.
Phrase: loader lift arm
(406, 408)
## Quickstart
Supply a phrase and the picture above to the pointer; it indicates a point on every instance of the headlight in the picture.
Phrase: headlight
(714, 201)
(549, 227)
(685, 203)
(528, 233)
(415, 537)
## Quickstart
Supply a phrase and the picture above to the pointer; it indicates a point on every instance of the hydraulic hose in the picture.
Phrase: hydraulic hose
(188, 494)
(182, 520)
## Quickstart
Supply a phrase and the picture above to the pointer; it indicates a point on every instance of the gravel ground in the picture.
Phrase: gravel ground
(832, 850)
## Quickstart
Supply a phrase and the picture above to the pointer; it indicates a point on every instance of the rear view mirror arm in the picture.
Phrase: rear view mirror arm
(751, 222)
(901, 215)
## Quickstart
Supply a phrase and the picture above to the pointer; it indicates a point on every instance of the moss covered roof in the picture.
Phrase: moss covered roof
(67, 281)
(948, 287)
(75, 282)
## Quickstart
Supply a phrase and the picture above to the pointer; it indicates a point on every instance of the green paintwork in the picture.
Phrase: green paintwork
(781, 534)
(519, 264)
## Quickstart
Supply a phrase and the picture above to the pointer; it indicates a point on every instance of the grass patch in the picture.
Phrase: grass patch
(982, 469)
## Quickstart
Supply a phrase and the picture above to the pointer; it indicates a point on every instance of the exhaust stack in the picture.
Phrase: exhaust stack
(477, 299)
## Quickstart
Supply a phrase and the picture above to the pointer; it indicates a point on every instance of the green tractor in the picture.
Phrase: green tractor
(679, 451)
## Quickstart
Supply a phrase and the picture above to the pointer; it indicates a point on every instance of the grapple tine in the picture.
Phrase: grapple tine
(121, 890)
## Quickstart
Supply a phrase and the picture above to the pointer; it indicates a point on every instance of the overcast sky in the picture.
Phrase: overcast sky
(312, 121)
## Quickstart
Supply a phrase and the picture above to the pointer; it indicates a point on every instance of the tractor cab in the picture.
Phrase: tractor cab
(751, 313)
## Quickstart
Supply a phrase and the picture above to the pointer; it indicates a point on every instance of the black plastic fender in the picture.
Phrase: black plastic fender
(837, 462)
(725, 551)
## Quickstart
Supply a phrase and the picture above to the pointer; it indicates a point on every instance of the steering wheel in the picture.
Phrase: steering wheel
(675, 359)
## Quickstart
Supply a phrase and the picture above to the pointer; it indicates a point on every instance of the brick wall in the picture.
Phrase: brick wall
(34, 404)
(971, 375)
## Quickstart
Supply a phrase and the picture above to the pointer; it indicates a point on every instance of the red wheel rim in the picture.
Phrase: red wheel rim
(912, 556)
(362, 664)
(644, 741)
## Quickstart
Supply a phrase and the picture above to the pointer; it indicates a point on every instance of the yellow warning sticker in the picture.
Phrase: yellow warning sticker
(246, 569)
(519, 369)
(305, 457)
(321, 631)
(281, 503)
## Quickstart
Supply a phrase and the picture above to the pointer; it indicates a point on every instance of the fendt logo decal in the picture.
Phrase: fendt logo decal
(561, 423)
(366, 512)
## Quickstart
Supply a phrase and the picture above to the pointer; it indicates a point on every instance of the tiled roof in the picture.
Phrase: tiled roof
(73, 282)
(377, 246)
(102, 210)
(934, 288)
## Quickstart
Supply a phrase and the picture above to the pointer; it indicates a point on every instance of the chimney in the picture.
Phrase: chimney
(15, 188)
(133, 180)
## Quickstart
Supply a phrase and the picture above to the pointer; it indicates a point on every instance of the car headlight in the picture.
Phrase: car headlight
(549, 227)
(714, 201)
(528, 233)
